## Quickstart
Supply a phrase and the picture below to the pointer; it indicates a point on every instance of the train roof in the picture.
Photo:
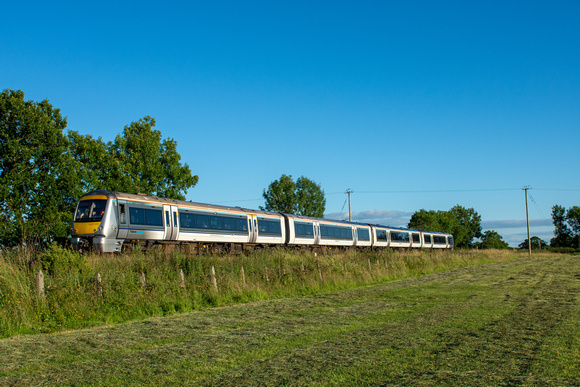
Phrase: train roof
(174, 202)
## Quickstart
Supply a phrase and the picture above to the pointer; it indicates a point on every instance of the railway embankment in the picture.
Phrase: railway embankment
(58, 289)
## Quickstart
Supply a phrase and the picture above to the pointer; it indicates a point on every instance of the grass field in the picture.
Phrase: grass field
(504, 323)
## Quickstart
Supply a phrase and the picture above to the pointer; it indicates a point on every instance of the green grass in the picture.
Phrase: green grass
(74, 300)
(503, 323)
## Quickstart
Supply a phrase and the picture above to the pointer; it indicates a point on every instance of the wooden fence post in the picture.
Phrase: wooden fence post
(213, 279)
(243, 276)
(181, 279)
(142, 279)
(99, 284)
(40, 283)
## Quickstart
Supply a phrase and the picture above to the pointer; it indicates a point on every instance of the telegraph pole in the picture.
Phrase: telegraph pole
(348, 191)
(526, 188)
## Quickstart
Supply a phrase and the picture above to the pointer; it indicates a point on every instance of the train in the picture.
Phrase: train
(106, 221)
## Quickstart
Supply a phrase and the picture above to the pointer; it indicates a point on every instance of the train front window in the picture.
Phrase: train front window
(90, 210)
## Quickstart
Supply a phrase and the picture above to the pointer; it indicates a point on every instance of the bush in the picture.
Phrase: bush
(59, 260)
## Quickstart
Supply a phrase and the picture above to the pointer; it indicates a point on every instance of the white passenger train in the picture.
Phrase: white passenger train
(107, 221)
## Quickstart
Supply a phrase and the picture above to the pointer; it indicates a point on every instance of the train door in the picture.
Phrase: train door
(123, 221)
(175, 223)
(252, 228)
(316, 226)
(168, 222)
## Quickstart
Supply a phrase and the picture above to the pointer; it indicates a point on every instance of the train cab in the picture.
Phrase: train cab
(95, 223)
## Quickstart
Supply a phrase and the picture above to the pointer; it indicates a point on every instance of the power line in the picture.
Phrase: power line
(431, 191)
(422, 191)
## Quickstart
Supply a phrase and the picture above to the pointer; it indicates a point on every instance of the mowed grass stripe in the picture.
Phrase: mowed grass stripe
(494, 324)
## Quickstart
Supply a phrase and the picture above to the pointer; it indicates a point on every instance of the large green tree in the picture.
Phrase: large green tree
(442, 221)
(38, 175)
(303, 197)
(468, 226)
(463, 223)
(139, 160)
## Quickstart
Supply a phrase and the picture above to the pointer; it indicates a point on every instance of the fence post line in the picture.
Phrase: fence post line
(40, 283)
(213, 279)
(142, 279)
(243, 276)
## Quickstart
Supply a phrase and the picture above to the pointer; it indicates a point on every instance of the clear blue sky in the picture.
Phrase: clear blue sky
(411, 104)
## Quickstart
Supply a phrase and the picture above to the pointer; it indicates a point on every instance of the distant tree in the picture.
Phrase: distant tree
(537, 243)
(137, 161)
(468, 226)
(563, 236)
(310, 199)
(303, 197)
(463, 223)
(281, 195)
(38, 175)
(573, 218)
(491, 240)
(442, 221)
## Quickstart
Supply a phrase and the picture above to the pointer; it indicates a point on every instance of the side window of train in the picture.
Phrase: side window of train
(122, 215)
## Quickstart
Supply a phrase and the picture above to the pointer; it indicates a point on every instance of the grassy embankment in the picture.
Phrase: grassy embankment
(73, 299)
(497, 324)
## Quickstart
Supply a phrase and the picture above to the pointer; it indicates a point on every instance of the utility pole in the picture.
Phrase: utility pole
(526, 188)
(348, 191)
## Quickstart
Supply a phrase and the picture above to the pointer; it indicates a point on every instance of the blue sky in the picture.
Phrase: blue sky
(412, 105)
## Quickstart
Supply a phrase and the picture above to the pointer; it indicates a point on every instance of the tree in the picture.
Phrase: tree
(492, 240)
(137, 161)
(566, 227)
(563, 237)
(468, 226)
(303, 197)
(463, 223)
(310, 198)
(537, 243)
(442, 221)
(38, 175)
(573, 218)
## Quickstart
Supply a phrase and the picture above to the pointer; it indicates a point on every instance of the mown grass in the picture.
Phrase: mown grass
(73, 299)
(504, 323)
